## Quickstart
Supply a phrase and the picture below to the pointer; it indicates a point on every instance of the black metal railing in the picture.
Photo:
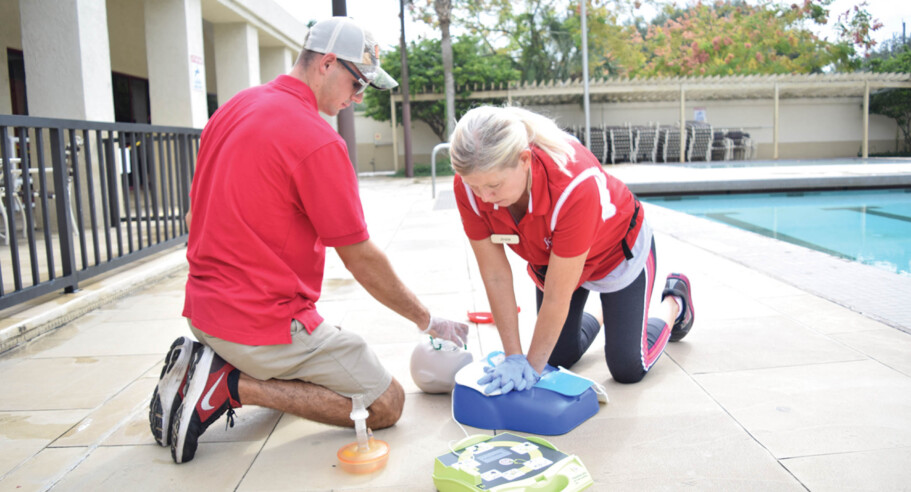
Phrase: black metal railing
(79, 198)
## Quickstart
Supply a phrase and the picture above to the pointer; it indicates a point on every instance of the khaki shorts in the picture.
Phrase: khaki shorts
(339, 360)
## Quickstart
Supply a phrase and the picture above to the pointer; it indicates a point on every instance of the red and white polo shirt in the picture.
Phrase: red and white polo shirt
(569, 213)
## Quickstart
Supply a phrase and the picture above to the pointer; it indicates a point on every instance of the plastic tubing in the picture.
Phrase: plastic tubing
(359, 416)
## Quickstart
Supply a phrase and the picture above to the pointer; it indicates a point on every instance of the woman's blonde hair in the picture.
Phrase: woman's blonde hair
(489, 137)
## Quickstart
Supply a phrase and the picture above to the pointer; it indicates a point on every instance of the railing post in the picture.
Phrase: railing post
(6, 180)
(62, 201)
(433, 167)
(183, 166)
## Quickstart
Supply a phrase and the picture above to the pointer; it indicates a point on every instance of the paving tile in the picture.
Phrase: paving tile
(884, 469)
(112, 417)
(720, 302)
(69, 382)
(25, 434)
(821, 315)
(701, 451)
(150, 467)
(44, 470)
(886, 345)
(111, 338)
(818, 409)
(423, 433)
(755, 343)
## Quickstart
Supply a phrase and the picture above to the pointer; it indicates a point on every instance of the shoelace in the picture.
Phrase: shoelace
(230, 418)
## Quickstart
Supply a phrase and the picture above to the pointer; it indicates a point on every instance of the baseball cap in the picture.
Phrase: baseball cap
(350, 42)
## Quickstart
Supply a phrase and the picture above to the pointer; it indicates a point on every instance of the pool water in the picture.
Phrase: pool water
(869, 226)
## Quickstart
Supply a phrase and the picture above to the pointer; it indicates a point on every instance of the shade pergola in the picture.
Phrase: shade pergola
(669, 89)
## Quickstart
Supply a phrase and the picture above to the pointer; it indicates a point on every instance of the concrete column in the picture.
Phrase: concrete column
(67, 59)
(177, 72)
(274, 62)
(776, 119)
(395, 139)
(236, 58)
(866, 142)
(682, 124)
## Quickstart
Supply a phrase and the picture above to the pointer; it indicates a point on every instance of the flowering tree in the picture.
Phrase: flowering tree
(736, 38)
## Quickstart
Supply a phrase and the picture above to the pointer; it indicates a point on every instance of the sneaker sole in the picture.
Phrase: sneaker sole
(162, 407)
(184, 414)
(681, 333)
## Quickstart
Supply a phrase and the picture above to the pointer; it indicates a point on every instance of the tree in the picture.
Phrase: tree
(729, 37)
(443, 19)
(543, 37)
(737, 38)
(894, 103)
(474, 65)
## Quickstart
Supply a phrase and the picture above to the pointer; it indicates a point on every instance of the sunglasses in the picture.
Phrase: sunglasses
(359, 83)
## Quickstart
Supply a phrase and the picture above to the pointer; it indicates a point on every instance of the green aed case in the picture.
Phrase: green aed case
(508, 462)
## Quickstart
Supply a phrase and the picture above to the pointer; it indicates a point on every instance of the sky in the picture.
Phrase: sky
(382, 17)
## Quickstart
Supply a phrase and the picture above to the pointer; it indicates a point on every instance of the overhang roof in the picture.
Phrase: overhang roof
(699, 88)
(276, 28)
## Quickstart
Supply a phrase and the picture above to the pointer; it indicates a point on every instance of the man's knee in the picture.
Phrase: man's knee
(387, 409)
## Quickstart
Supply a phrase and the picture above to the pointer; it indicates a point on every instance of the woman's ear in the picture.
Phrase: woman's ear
(525, 159)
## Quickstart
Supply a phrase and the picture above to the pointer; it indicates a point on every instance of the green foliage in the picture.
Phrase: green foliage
(443, 169)
(544, 37)
(731, 37)
(474, 64)
(539, 40)
(737, 38)
(894, 103)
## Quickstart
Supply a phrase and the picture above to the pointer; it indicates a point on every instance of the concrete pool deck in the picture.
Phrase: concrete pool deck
(796, 376)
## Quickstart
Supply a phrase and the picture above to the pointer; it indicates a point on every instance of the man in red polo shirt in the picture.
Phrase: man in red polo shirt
(273, 187)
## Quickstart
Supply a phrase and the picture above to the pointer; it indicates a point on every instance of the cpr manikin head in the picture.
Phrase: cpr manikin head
(434, 363)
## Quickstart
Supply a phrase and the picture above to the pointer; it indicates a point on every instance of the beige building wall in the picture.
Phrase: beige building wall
(808, 128)
(374, 144)
(127, 36)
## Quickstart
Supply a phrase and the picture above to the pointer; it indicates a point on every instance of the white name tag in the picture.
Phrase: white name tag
(504, 238)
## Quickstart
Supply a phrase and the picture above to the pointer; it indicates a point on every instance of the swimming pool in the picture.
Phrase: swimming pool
(869, 226)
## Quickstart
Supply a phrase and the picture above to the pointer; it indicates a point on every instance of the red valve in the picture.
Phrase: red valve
(484, 317)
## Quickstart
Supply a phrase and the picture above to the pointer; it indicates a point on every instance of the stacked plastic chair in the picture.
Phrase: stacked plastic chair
(670, 136)
(661, 143)
(646, 143)
(621, 141)
(742, 144)
(722, 146)
(598, 144)
(699, 141)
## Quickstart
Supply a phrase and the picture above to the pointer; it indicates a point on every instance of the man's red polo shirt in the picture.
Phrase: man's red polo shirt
(273, 187)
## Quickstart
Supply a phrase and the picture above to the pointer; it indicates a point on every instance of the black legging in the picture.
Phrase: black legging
(632, 344)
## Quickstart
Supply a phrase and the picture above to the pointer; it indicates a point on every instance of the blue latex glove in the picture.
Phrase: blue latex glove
(514, 373)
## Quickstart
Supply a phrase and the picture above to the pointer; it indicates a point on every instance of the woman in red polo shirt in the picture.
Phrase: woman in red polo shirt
(523, 182)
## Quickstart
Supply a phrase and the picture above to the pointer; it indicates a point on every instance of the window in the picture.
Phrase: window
(131, 99)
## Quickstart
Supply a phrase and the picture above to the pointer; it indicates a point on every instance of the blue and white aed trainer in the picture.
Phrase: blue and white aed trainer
(557, 404)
